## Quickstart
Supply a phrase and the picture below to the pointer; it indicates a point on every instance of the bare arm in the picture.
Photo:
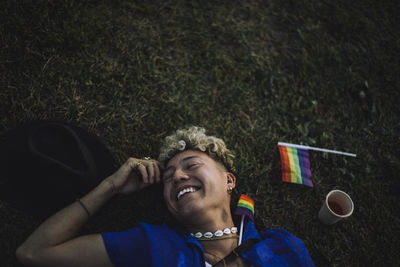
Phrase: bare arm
(54, 243)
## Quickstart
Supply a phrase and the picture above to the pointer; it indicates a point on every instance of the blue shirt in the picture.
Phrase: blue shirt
(151, 245)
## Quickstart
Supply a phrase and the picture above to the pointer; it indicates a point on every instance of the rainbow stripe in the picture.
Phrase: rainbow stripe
(295, 165)
(245, 206)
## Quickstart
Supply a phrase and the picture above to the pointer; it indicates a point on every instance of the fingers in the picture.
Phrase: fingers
(143, 172)
(157, 172)
(150, 170)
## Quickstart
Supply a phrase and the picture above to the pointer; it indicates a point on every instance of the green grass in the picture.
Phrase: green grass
(320, 73)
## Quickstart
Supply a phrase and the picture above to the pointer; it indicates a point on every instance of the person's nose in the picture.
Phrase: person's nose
(180, 176)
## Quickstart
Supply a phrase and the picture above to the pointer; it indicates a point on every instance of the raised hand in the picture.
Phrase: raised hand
(135, 174)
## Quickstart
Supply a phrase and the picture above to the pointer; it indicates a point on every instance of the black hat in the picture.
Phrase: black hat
(46, 165)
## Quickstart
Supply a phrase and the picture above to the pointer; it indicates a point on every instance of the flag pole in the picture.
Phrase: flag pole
(317, 149)
(241, 231)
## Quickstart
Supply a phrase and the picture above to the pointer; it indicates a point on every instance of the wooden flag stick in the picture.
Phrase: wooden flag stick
(317, 149)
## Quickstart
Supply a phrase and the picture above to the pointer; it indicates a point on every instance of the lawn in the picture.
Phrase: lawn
(319, 73)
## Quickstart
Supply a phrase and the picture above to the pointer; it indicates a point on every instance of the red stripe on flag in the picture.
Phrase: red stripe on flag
(244, 197)
(285, 164)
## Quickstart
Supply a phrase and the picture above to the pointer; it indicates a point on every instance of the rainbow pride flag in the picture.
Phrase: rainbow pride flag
(245, 207)
(295, 165)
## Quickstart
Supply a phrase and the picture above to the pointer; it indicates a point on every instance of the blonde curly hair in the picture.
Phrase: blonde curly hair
(195, 138)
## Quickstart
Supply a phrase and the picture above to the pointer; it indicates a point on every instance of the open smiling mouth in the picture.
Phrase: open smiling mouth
(185, 191)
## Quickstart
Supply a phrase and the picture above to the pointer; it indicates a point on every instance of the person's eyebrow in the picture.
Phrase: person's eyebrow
(182, 161)
(189, 158)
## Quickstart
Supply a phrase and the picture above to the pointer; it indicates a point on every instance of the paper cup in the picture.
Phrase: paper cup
(337, 205)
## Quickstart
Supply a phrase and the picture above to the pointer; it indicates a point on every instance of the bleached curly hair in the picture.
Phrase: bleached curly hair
(195, 138)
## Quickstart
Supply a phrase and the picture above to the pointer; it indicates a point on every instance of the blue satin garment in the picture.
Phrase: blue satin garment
(151, 245)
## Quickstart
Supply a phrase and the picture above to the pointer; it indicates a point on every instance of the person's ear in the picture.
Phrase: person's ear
(231, 180)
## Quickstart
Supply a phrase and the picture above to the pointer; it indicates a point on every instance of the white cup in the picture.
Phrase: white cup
(337, 205)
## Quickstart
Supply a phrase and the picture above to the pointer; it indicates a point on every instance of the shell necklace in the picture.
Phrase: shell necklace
(219, 234)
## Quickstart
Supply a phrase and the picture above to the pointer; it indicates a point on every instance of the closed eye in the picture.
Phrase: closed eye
(192, 166)
(167, 178)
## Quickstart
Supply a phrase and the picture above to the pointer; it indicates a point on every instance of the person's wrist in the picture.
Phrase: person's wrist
(110, 186)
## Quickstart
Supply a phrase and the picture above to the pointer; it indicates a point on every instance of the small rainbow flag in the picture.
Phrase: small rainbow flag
(245, 207)
(295, 165)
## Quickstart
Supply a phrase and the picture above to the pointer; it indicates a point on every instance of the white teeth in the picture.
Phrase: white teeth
(184, 191)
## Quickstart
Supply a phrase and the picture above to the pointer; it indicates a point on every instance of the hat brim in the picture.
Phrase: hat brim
(33, 182)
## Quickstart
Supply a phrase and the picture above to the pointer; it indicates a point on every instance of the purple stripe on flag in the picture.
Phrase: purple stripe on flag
(305, 166)
(244, 211)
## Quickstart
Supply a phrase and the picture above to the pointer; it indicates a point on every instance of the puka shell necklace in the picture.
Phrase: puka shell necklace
(217, 233)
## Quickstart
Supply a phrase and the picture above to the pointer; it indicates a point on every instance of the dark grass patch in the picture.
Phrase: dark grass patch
(254, 73)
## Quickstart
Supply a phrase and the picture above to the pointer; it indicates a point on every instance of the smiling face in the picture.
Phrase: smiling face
(195, 185)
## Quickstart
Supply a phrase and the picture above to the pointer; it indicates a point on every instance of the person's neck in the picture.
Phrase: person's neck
(214, 250)
(210, 222)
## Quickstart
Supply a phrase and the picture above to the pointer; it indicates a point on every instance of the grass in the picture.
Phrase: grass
(322, 73)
